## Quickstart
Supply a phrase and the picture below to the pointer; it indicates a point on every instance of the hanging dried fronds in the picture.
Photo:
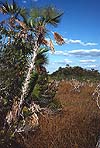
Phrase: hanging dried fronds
(40, 29)
(45, 42)
(12, 22)
(3, 10)
(51, 46)
(22, 34)
(22, 24)
(58, 38)
(11, 115)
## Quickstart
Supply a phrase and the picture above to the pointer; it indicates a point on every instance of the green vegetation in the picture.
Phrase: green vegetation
(23, 56)
(75, 72)
(77, 125)
(23, 36)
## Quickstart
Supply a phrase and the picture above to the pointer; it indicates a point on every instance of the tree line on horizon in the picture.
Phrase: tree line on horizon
(75, 72)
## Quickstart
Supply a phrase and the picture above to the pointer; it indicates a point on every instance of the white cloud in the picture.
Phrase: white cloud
(60, 53)
(24, 1)
(34, 0)
(82, 52)
(71, 41)
(62, 62)
(87, 61)
(79, 52)
(91, 66)
(90, 44)
(67, 61)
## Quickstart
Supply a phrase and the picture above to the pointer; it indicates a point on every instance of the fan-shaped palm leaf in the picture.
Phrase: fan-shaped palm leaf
(8, 8)
(43, 16)
(41, 58)
(23, 12)
(51, 15)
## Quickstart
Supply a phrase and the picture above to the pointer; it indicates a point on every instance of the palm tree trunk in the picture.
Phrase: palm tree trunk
(27, 80)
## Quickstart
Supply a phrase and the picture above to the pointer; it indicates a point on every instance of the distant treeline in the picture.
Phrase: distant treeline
(75, 72)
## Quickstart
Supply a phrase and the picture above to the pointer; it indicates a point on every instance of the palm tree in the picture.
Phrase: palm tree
(33, 30)
(41, 60)
(38, 21)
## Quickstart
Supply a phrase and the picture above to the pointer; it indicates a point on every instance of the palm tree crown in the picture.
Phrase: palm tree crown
(32, 24)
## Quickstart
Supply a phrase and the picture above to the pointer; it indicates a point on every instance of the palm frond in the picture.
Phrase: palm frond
(22, 24)
(45, 42)
(14, 5)
(51, 15)
(31, 22)
(8, 8)
(35, 13)
(41, 58)
(58, 38)
(23, 12)
(42, 50)
(43, 16)
(4, 8)
(51, 46)
(55, 20)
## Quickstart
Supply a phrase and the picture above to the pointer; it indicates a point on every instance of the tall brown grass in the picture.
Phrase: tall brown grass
(76, 126)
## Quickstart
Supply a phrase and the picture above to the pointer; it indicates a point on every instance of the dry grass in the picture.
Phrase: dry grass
(76, 126)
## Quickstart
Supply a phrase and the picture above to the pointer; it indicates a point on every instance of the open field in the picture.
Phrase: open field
(76, 126)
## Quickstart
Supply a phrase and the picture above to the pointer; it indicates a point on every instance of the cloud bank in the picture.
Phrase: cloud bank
(83, 52)
(79, 52)
(25, 1)
(71, 41)
(87, 61)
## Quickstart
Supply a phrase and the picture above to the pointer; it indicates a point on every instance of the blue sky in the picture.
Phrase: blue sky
(80, 27)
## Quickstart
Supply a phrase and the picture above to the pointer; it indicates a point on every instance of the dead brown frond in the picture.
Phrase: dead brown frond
(12, 114)
(12, 22)
(51, 46)
(58, 38)
(22, 24)
(40, 29)
(45, 42)
(3, 10)
(22, 34)
(0, 9)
